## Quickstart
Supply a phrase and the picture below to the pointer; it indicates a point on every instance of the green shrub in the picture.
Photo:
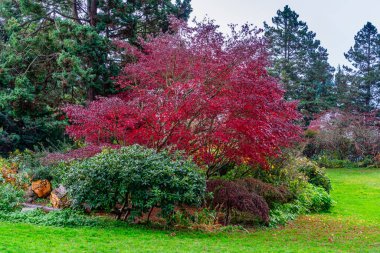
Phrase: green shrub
(203, 216)
(315, 199)
(312, 199)
(42, 172)
(10, 197)
(282, 213)
(330, 162)
(315, 174)
(135, 180)
(284, 173)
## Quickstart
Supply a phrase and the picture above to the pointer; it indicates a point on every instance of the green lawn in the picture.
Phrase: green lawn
(352, 226)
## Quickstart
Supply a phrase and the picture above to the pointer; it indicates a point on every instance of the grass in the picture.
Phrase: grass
(352, 226)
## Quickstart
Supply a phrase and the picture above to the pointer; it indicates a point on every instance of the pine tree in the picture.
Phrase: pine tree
(116, 19)
(343, 88)
(54, 52)
(365, 58)
(300, 62)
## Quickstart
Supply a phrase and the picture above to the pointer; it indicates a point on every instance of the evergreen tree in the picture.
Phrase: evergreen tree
(42, 69)
(343, 88)
(54, 52)
(116, 19)
(365, 58)
(300, 62)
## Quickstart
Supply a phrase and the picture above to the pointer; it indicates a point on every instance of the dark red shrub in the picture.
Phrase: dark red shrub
(228, 196)
(271, 193)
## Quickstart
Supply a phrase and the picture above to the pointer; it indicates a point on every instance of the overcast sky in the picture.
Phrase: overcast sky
(334, 21)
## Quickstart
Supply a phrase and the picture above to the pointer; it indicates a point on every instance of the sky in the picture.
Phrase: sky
(335, 22)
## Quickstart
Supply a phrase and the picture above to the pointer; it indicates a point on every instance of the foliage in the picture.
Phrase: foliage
(64, 61)
(74, 154)
(307, 188)
(135, 178)
(377, 160)
(346, 92)
(283, 173)
(203, 218)
(281, 214)
(271, 193)
(10, 173)
(328, 162)
(57, 52)
(196, 91)
(294, 172)
(301, 63)
(312, 199)
(230, 196)
(342, 135)
(64, 218)
(115, 19)
(315, 175)
(315, 199)
(10, 197)
(27, 167)
(365, 58)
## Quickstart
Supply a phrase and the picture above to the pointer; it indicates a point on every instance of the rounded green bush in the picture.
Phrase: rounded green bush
(137, 178)
(315, 174)
(315, 199)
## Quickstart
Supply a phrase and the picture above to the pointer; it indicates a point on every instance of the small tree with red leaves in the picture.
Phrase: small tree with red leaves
(198, 91)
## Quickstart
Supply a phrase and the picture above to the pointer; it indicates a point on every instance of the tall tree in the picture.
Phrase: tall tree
(344, 90)
(40, 71)
(300, 62)
(365, 58)
(116, 19)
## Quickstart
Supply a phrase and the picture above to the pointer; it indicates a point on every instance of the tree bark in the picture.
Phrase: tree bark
(75, 11)
(92, 11)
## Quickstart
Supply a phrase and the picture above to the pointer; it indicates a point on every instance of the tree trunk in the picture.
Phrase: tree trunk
(75, 11)
(150, 213)
(92, 11)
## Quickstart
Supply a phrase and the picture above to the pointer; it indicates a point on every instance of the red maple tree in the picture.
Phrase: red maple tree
(198, 91)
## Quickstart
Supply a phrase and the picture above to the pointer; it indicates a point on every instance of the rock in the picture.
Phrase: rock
(58, 197)
(30, 196)
(30, 200)
(41, 188)
(28, 209)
